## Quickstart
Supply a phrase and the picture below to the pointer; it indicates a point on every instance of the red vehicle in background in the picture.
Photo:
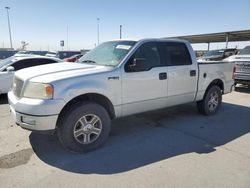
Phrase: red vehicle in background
(73, 58)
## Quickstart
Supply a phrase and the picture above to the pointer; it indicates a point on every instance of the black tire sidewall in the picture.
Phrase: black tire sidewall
(206, 99)
(67, 123)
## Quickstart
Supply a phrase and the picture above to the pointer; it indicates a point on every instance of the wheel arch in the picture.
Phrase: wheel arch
(216, 82)
(90, 97)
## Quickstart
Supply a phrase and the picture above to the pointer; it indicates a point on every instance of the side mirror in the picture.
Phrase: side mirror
(10, 69)
(138, 64)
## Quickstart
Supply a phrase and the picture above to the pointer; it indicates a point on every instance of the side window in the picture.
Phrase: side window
(43, 61)
(49, 61)
(145, 58)
(175, 54)
(30, 63)
(21, 64)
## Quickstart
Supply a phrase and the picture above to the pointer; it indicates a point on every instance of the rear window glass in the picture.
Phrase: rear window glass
(176, 54)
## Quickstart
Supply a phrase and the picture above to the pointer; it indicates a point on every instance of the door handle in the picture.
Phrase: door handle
(193, 73)
(113, 78)
(163, 76)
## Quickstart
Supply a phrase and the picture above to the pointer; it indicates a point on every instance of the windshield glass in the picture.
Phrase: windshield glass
(214, 53)
(108, 53)
(245, 51)
(5, 62)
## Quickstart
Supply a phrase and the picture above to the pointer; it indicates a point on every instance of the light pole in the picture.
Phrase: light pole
(7, 9)
(67, 38)
(98, 32)
(120, 31)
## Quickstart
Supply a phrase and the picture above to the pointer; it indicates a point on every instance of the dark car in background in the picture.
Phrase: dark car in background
(218, 55)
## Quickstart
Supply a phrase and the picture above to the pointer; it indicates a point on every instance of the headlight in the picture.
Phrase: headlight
(38, 91)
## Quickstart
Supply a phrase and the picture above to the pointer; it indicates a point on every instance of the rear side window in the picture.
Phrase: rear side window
(22, 64)
(175, 54)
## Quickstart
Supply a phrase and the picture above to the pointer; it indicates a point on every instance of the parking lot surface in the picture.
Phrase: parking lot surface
(174, 147)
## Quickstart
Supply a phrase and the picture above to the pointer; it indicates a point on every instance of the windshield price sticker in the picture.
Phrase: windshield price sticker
(123, 47)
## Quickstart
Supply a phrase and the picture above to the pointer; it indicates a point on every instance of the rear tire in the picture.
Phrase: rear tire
(84, 127)
(211, 101)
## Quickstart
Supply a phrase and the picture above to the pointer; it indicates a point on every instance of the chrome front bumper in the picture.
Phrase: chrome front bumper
(36, 123)
(32, 114)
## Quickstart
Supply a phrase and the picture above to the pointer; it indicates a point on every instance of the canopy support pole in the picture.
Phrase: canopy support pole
(226, 41)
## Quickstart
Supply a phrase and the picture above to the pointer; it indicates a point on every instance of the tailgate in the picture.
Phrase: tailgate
(242, 70)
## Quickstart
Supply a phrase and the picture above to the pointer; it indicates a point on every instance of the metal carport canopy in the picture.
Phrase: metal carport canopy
(231, 36)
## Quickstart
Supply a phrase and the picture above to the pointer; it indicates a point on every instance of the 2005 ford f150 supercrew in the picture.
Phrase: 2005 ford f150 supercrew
(117, 78)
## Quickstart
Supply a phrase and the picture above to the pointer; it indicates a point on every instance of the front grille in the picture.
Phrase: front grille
(243, 67)
(17, 87)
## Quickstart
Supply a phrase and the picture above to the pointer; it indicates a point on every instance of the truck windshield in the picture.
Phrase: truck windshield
(108, 53)
(245, 51)
(214, 53)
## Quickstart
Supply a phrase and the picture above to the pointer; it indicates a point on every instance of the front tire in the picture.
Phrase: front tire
(211, 101)
(84, 127)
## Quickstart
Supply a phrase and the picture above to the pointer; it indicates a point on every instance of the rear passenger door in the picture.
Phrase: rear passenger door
(182, 74)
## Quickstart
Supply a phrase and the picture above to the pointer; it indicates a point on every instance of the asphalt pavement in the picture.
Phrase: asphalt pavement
(174, 147)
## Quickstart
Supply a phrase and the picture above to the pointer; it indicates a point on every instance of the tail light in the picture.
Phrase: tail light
(233, 76)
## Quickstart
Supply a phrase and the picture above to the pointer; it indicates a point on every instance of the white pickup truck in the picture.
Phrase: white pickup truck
(118, 78)
(242, 66)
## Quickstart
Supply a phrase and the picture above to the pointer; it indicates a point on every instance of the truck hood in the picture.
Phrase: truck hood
(51, 72)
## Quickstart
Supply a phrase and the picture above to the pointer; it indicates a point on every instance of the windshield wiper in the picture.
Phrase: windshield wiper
(88, 61)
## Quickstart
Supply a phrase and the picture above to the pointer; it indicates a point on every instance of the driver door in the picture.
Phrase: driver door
(144, 81)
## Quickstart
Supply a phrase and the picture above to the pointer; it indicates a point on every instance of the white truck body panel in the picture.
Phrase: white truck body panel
(143, 91)
(179, 93)
(213, 70)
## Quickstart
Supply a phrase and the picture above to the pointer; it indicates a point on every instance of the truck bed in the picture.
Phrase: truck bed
(209, 71)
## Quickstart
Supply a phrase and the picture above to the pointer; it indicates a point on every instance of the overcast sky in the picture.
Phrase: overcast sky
(43, 23)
